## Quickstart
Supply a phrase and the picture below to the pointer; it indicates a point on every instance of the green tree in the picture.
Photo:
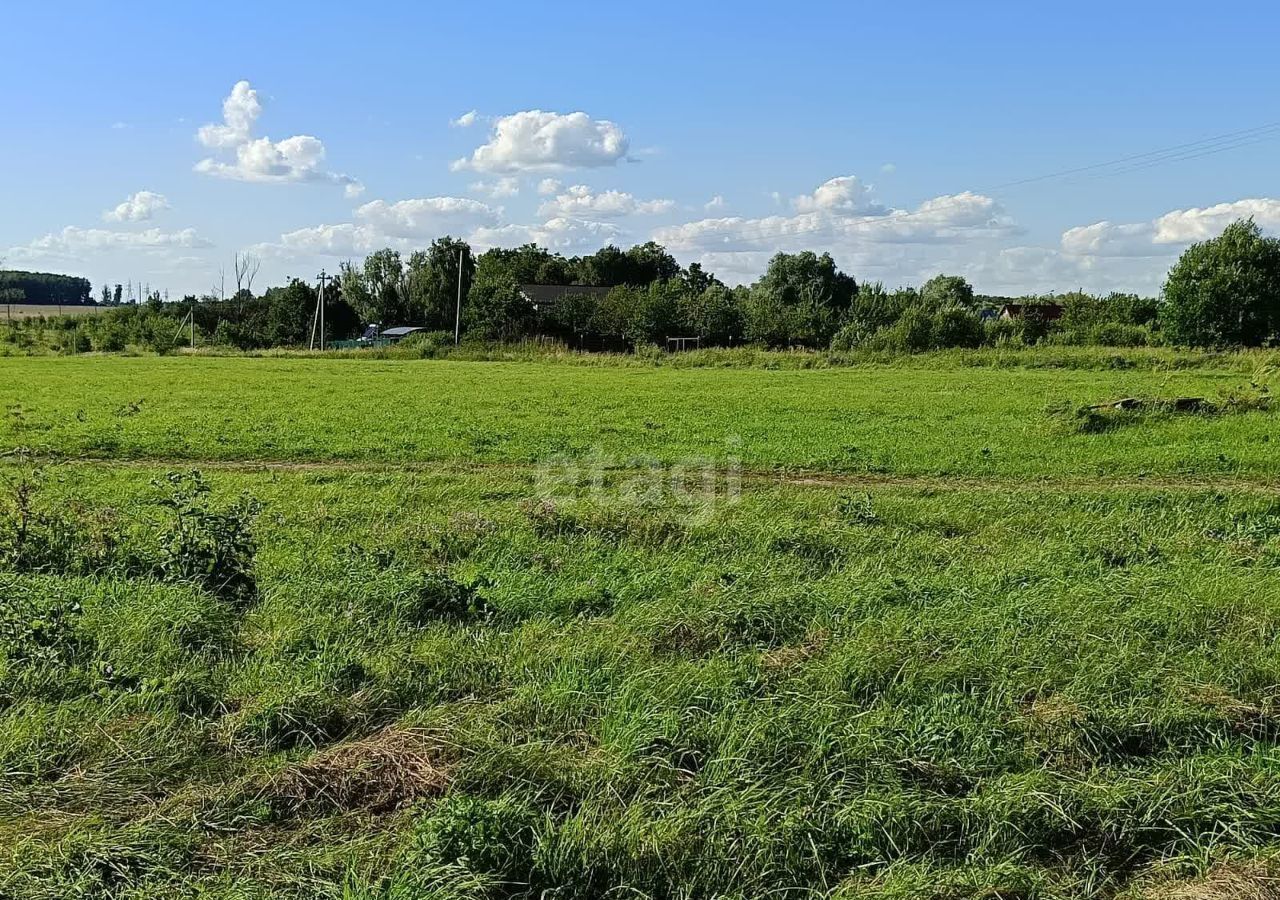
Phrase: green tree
(432, 282)
(801, 299)
(574, 315)
(527, 264)
(695, 280)
(655, 315)
(377, 290)
(497, 310)
(714, 314)
(1225, 291)
(947, 290)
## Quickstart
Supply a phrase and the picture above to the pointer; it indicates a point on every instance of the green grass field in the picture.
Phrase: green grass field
(464, 629)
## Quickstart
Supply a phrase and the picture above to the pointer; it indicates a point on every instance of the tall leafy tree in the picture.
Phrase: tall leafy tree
(432, 281)
(1225, 291)
(947, 290)
(800, 300)
(497, 310)
(527, 264)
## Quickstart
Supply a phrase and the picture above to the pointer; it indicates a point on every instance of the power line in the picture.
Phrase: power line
(1156, 156)
(1176, 153)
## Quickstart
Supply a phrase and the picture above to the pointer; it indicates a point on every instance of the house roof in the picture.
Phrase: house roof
(543, 295)
(1044, 310)
(400, 331)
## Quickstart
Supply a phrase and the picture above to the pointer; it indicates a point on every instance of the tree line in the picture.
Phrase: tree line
(1222, 292)
(44, 288)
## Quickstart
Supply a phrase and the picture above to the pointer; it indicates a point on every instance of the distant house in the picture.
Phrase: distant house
(544, 297)
(1047, 311)
(392, 335)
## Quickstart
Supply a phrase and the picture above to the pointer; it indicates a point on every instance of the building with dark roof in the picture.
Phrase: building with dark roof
(546, 296)
(1049, 312)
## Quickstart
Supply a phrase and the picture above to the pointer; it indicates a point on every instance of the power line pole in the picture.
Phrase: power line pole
(323, 280)
(457, 315)
(193, 323)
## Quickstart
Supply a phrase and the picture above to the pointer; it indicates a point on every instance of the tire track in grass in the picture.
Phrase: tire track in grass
(754, 477)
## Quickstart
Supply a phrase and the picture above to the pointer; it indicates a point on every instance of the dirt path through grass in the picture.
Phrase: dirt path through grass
(757, 478)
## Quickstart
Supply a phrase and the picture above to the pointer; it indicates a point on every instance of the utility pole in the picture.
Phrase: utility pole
(323, 280)
(193, 323)
(457, 315)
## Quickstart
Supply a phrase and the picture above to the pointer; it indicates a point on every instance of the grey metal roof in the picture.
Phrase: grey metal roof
(400, 331)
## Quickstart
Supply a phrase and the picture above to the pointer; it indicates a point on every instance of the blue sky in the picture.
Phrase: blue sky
(887, 134)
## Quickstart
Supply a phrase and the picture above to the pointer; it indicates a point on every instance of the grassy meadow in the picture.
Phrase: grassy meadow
(391, 629)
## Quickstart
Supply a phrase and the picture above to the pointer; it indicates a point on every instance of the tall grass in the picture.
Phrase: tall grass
(447, 685)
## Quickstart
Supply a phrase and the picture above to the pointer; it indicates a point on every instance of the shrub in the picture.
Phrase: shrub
(214, 548)
(954, 326)
(429, 344)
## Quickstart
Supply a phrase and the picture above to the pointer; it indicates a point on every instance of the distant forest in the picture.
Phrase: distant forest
(44, 288)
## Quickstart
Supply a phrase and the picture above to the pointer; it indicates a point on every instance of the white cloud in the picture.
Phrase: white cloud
(240, 111)
(405, 225)
(139, 207)
(498, 188)
(548, 186)
(295, 159)
(843, 194)
(888, 168)
(829, 223)
(579, 200)
(1167, 234)
(715, 203)
(344, 240)
(534, 140)
(1186, 226)
(466, 120)
(840, 217)
(561, 235)
(1111, 239)
(428, 217)
(74, 243)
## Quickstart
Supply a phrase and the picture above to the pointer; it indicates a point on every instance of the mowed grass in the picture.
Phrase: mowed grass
(456, 680)
(944, 420)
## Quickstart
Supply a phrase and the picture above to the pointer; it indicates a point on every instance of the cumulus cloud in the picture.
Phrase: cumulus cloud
(427, 217)
(561, 234)
(466, 120)
(343, 240)
(548, 186)
(842, 217)
(1112, 239)
(839, 215)
(580, 200)
(715, 203)
(1186, 226)
(74, 243)
(245, 158)
(139, 207)
(404, 225)
(843, 194)
(535, 140)
(508, 186)
(1168, 234)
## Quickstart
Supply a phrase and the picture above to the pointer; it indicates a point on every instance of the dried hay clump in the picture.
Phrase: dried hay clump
(1239, 881)
(378, 773)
